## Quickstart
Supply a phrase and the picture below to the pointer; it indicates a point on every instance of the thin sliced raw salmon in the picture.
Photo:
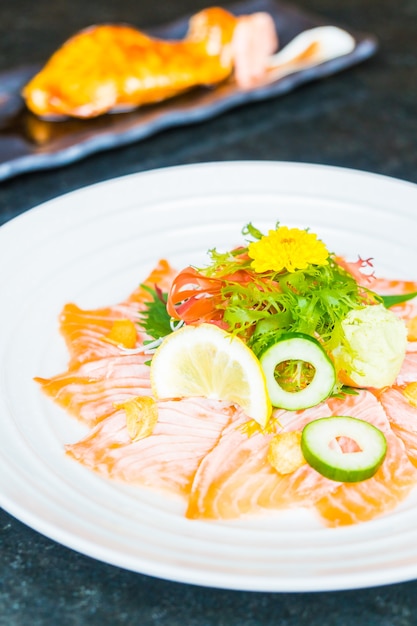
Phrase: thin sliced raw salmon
(167, 459)
(408, 371)
(83, 330)
(387, 286)
(235, 479)
(99, 374)
(351, 503)
(90, 390)
(403, 419)
(362, 272)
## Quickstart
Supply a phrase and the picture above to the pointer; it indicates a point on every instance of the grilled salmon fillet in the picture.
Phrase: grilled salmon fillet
(115, 67)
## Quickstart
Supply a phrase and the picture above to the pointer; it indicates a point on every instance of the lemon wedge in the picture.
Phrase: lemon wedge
(207, 361)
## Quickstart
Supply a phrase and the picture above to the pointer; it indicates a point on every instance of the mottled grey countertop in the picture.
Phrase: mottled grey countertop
(364, 118)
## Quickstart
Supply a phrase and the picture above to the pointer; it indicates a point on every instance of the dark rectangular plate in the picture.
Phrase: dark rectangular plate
(28, 143)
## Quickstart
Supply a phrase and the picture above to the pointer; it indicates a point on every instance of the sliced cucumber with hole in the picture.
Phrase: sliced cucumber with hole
(331, 461)
(302, 349)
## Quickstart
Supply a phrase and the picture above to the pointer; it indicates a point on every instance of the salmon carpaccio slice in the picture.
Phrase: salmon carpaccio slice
(83, 330)
(352, 503)
(90, 390)
(99, 374)
(235, 479)
(380, 285)
(403, 419)
(408, 371)
(167, 459)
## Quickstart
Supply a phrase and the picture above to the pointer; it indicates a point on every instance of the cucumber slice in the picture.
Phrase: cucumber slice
(333, 463)
(298, 347)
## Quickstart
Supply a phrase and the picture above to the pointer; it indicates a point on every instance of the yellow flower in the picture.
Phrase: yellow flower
(287, 249)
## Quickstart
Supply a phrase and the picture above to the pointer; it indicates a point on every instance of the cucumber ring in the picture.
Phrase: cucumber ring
(298, 347)
(333, 463)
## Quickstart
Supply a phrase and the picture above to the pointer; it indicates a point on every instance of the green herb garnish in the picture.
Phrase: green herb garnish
(389, 301)
(155, 320)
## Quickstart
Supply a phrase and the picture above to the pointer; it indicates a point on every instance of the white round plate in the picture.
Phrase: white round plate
(93, 247)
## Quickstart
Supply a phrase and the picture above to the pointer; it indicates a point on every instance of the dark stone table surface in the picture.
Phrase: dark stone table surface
(364, 118)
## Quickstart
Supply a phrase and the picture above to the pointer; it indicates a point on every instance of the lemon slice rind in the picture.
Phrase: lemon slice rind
(207, 361)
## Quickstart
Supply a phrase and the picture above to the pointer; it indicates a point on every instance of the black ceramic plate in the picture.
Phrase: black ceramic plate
(28, 143)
